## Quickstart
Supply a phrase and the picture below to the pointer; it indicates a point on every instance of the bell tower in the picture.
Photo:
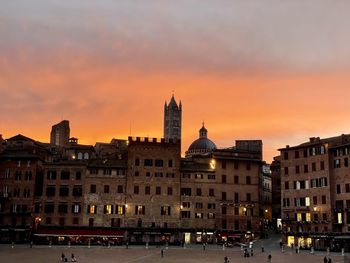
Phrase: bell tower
(172, 119)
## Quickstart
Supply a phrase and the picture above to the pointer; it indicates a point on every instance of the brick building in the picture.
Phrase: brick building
(316, 193)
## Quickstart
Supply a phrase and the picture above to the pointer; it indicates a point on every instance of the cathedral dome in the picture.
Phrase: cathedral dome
(202, 145)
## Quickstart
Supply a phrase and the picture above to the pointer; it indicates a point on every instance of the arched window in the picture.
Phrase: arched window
(86, 156)
(80, 156)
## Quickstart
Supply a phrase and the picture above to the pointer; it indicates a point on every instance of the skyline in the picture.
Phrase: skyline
(271, 71)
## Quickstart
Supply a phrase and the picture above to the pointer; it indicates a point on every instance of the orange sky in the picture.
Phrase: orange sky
(248, 71)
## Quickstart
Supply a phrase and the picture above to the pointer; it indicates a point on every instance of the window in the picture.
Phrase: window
(198, 215)
(236, 179)
(236, 198)
(236, 165)
(75, 220)
(92, 188)
(120, 189)
(26, 193)
(63, 208)
(248, 180)
(314, 200)
(139, 210)
(76, 208)
(322, 150)
(106, 189)
(77, 190)
(248, 166)
(296, 154)
(93, 171)
(198, 191)
(322, 165)
(199, 205)
(7, 173)
(223, 179)
(186, 191)
(313, 167)
(170, 175)
(324, 216)
(158, 190)
(137, 173)
(170, 191)
(165, 210)
(148, 174)
(337, 163)
(186, 204)
(65, 175)
(306, 168)
(49, 208)
(78, 175)
(108, 209)
(339, 218)
(147, 190)
(223, 196)
(136, 189)
(346, 162)
(148, 162)
(158, 174)
(158, 163)
(224, 210)
(324, 200)
(92, 209)
(28, 176)
(307, 201)
(211, 206)
(223, 164)
(107, 171)
(64, 190)
(347, 188)
(249, 197)
(120, 209)
(50, 191)
(297, 169)
(285, 170)
(211, 215)
(170, 163)
(51, 175)
(211, 176)
(285, 155)
(338, 189)
(305, 153)
(211, 192)
(185, 214)
(198, 176)
(286, 185)
(137, 162)
(18, 175)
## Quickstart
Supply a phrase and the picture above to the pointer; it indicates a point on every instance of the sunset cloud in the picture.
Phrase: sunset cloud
(267, 70)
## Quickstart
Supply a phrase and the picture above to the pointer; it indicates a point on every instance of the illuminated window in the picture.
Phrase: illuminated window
(92, 209)
(340, 218)
(307, 201)
(299, 217)
(121, 210)
(108, 209)
(308, 217)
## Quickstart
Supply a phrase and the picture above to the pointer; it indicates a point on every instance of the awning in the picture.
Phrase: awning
(233, 235)
(81, 232)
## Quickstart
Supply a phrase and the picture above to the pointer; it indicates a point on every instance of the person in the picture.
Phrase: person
(65, 259)
(281, 244)
(62, 257)
(329, 260)
(203, 246)
(262, 249)
(162, 253)
(251, 252)
(225, 260)
(325, 260)
(269, 258)
(73, 259)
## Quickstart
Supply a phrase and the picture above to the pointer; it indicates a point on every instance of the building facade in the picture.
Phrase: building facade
(316, 194)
